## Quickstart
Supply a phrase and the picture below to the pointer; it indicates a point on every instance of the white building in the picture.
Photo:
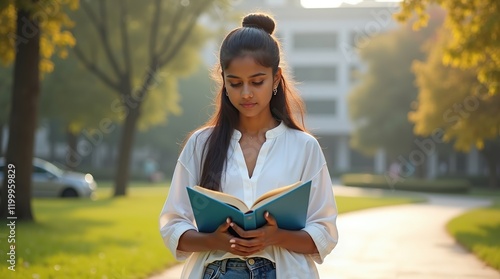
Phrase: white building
(320, 48)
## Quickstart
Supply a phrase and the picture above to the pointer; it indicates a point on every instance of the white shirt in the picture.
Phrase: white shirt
(287, 156)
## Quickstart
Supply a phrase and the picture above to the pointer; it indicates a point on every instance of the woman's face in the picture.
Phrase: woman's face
(249, 86)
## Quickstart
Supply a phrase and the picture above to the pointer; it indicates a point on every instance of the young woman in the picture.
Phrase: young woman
(251, 145)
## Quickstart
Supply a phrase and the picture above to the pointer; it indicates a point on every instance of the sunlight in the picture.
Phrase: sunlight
(334, 3)
(327, 3)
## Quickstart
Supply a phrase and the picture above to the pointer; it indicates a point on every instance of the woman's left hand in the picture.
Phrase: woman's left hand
(253, 241)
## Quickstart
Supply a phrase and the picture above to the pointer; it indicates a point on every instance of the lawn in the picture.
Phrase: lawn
(479, 231)
(106, 238)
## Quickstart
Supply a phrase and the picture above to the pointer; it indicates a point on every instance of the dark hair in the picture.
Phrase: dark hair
(254, 38)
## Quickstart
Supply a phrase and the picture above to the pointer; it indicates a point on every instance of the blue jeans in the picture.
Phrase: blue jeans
(251, 268)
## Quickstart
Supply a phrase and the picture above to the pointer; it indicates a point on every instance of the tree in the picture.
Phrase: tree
(379, 104)
(74, 109)
(452, 102)
(475, 29)
(196, 100)
(5, 87)
(30, 34)
(138, 40)
(473, 46)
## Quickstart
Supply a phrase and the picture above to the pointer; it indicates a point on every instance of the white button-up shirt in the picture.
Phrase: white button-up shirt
(287, 156)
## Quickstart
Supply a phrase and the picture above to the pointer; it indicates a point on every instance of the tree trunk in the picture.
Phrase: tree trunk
(491, 160)
(125, 151)
(22, 121)
(493, 175)
(72, 141)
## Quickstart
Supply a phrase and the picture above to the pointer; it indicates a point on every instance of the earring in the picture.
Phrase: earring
(275, 90)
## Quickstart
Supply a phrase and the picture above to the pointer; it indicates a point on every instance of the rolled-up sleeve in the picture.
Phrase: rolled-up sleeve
(177, 216)
(322, 215)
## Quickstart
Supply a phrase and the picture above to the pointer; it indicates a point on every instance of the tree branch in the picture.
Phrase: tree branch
(100, 25)
(125, 39)
(154, 30)
(178, 15)
(170, 52)
(147, 81)
(93, 68)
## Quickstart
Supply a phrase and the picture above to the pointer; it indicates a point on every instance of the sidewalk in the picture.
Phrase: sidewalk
(406, 241)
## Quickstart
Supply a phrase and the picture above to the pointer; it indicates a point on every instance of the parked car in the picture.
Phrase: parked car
(48, 180)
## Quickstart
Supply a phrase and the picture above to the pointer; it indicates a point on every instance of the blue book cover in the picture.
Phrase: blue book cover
(288, 205)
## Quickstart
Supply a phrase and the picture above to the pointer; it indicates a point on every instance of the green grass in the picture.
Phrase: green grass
(479, 231)
(107, 238)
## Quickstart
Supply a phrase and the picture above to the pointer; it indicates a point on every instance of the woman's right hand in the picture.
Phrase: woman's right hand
(222, 236)
(220, 239)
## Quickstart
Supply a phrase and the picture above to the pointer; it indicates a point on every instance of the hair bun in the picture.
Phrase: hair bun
(261, 21)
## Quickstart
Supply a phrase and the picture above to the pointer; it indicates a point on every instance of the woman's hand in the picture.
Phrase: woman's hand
(253, 241)
(221, 237)
(248, 242)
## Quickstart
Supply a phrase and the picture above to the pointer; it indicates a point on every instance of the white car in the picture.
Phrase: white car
(50, 181)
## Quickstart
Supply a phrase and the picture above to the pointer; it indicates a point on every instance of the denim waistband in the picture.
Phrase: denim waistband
(250, 263)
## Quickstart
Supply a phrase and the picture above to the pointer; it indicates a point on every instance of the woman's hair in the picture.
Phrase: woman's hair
(253, 39)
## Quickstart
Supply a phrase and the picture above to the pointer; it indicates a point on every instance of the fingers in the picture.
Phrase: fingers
(246, 234)
(224, 226)
(248, 242)
(254, 233)
(252, 241)
(245, 247)
(270, 219)
(244, 251)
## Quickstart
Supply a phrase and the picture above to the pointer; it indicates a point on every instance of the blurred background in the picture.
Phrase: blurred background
(369, 84)
(400, 95)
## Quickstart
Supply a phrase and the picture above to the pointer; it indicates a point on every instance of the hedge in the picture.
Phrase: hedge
(406, 184)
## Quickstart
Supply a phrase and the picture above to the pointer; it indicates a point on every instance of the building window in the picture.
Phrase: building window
(356, 38)
(318, 40)
(321, 106)
(315, 73)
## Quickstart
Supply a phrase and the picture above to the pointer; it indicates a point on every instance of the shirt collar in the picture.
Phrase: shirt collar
(272, 133)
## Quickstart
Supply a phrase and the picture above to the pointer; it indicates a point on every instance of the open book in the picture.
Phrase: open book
(287, 204)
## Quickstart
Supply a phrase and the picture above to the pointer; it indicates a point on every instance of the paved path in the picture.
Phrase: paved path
(406, 241)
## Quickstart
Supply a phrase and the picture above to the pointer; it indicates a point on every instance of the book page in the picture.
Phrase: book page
(223, 197)
(278, 192)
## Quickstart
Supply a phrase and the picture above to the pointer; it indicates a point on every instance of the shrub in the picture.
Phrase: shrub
(407, 184)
